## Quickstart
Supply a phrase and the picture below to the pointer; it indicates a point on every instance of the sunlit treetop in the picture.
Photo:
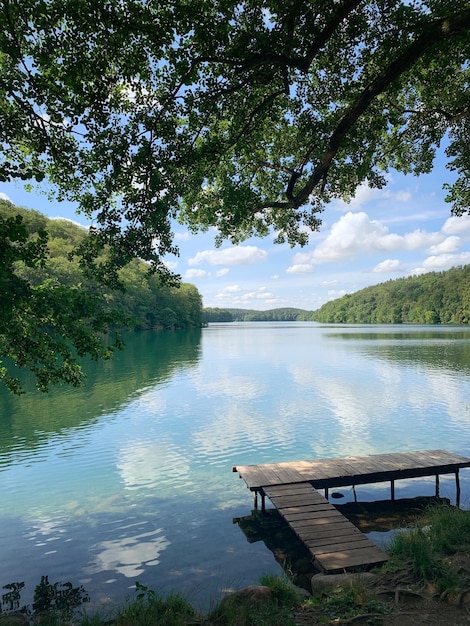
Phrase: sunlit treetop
(246, 116)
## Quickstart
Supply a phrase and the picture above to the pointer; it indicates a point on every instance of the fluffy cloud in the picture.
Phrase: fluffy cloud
(450, 244)
(260, 294)
(223, 272)
(365, 194)
(237, 255)
(3, 196)
(443, 262)
(457, 225)
(300, 268)
(191, 274)
(355, 234)
(237, 296)
(389, 265)
(182, 236)
(171, 265)
(229, 290)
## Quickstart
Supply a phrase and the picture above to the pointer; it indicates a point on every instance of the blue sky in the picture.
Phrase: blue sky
(403, 229)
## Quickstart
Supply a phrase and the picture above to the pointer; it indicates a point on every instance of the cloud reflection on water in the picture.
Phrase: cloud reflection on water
(129, 555)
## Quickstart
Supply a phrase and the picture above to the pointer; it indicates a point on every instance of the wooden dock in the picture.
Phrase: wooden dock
(335, 543)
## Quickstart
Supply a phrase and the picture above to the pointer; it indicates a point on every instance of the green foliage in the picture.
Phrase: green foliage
(284, 592)
(245, 117)
(278, 610)
(286, 314)
(57, 601)
(150, 609)
(54, 603)
(45, 325)
(344, 603)
(52, 315)
(422, 550)
(216, 315)
(434, 298)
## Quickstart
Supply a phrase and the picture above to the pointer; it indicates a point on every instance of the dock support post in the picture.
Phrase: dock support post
(255, 500)
(263, 503)
(392, 490)
(437, 485)
(326, 493)
(457, 484)
(354, 492)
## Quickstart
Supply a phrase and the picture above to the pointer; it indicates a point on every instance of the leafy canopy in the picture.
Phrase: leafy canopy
(247, 116)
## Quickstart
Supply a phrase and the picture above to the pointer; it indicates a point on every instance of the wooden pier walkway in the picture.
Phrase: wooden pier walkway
(335, 543)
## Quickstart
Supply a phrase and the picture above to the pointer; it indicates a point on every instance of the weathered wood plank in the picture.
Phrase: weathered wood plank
(340, 531)
(354, 469)
(319, 525)
(338, 561)
(333, 541)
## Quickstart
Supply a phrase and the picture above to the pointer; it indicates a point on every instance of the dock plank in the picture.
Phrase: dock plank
(324, 473)
(333, 541)
(309, 515)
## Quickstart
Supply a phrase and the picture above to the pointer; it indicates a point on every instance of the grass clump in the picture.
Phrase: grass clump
(150, 609)
(274, 607)
(348, 602)
(423, 549)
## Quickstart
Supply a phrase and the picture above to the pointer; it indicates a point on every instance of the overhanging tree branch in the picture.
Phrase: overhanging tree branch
(433, 34)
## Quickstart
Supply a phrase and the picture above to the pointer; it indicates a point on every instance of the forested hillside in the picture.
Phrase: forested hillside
(145, 301)
(286, 314)
(434, 298)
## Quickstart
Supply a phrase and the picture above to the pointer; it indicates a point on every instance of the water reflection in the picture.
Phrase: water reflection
(149, 359)
(131, 476)
(130, 554)
(152, 465)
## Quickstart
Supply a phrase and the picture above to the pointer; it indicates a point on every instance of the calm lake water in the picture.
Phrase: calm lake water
(130, 477)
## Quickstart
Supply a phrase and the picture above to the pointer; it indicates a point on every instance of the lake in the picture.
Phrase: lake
(130, 477)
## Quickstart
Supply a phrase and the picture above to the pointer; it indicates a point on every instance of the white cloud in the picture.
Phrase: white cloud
(457, 225)
(222, 272)
(300, 268)
(333, 294)
(389, 265)
(3, 196)
(450, 244)
(355, 234)
(229, 291)
(191, 274)
(443, 262)
(182, 236)
(260, 294)
(171, 265)
(237, 255)
(365, 194)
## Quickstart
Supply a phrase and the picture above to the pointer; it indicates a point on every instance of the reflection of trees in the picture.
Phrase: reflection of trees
(441, 349)
(150, 358)
(454, 357)
(56, 601)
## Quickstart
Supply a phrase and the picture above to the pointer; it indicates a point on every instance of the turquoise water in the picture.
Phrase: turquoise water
(130, 478)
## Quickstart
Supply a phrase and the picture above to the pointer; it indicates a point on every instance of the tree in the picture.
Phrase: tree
(45, 327)
(248, 116)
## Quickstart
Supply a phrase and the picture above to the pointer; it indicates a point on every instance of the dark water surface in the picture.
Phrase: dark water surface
(130, 478)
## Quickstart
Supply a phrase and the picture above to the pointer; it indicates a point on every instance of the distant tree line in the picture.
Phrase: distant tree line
(434, 298)
(144, 302)
(287, 314)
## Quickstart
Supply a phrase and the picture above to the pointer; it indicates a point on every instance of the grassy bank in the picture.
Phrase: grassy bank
(422, 557)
